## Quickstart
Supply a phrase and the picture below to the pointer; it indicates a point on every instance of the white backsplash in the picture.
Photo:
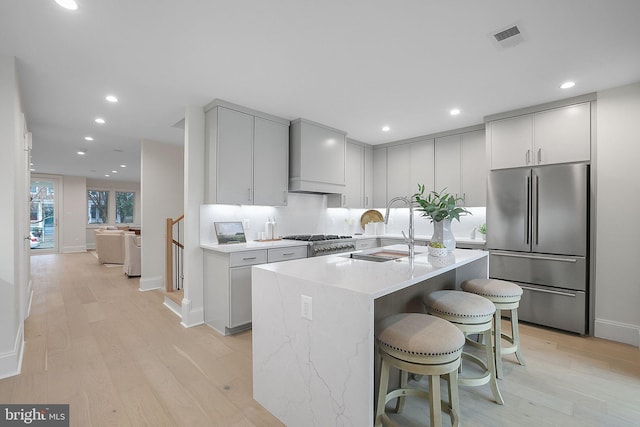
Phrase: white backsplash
(308, 214)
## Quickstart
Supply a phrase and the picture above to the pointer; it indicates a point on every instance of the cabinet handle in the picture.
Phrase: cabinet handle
(288, 254)
(284, 196)
(539, 155)
(344, 200)
(249, 194)
(528, 157)
(565, 294)
(248, 258)
(366, 201)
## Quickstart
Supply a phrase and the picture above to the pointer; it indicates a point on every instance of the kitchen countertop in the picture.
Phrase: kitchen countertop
(374, 279)
(254, 244)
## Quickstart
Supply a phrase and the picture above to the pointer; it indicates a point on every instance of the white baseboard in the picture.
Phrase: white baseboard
(191, 317)
(173, 306)
(617, 331)
(151, 283)
(11, 363)
(74, 249)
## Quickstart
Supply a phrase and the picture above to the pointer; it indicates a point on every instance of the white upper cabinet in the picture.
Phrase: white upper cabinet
(379, 178)
(563, 135)
(559, 135)
(447, 167)
(353, 194)
(368, 177)
(317, 158)
(473, 167)
(247, 157)
(397, 170)
(461, 167)
(271, 163)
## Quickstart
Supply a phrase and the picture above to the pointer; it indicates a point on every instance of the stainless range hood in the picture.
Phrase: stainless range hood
(317, 158)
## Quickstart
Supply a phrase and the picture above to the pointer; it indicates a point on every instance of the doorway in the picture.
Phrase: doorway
(43, 218)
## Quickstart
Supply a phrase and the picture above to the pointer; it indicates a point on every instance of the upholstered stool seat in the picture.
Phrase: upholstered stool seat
(505, 296)
(424, 345)
(472, 314)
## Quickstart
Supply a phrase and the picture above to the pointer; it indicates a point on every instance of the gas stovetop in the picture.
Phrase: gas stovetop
(315, 237)
(325, 244)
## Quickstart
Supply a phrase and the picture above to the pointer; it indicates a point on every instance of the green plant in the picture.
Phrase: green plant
(438, 205)
(483, 229)
(436, 245)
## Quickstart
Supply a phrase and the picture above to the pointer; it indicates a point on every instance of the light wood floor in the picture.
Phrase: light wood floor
(120, 358)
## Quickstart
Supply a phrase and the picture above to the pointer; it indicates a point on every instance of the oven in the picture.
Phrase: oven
(325, 244)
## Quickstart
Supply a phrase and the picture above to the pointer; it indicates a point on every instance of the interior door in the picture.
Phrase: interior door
(508, 206)
(43, 214)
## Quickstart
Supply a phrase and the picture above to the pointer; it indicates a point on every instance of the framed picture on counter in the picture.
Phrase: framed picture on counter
(230, 232)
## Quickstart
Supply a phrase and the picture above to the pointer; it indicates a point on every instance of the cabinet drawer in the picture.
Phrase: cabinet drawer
(239, 259)
(284, 254)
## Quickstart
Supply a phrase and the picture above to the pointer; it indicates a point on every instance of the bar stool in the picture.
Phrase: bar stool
(505, 296)
(424, 345)
(472, 314)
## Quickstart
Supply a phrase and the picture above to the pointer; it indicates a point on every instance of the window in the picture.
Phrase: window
(124, 206)
(98, 202)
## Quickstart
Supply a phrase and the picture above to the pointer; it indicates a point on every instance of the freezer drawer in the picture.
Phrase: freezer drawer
(569, 272)
(556, 308)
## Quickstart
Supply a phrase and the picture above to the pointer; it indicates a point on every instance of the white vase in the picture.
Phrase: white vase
(442, 234)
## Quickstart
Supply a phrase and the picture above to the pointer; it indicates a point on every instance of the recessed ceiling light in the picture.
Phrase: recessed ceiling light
(107, 175)
(100, 120)
(68, 4)
(123, 166)
(88, 138)
(567, 85)
(32, 170)
(386, 128)
(82, 153)
(111, 98)
(454, 112)
(114, 171)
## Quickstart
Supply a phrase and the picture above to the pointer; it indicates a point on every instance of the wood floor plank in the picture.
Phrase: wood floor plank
(119, 357)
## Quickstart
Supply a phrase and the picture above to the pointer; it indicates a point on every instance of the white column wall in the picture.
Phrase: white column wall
(617, 316)
(162, 189)
(73, 222)
(13, 216)
(194, 140)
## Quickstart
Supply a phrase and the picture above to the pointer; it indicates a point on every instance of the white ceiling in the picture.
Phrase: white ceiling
(354, 65)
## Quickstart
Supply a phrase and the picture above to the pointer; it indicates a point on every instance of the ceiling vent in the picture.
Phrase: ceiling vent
(506, 37)
(509, 32)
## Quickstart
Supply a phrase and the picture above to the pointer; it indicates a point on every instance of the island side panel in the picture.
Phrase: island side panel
(312, 372)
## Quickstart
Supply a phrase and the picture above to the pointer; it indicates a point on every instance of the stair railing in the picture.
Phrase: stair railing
(174, 273)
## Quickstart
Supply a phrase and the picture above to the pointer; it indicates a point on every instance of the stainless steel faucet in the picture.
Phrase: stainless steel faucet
(410, 241)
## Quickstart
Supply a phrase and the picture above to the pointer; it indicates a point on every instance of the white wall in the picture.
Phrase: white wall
(74, 214)
(13, 217)
(162, 189)
(617, 306)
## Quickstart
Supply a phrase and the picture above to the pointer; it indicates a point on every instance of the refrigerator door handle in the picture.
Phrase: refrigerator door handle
(527, 223)
(544, 258)
(537, 209)
(546, 291)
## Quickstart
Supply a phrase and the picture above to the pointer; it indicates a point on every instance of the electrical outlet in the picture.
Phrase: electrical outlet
(246, 224)
(306, 307)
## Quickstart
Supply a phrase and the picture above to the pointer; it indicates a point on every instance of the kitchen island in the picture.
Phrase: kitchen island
(314, 322)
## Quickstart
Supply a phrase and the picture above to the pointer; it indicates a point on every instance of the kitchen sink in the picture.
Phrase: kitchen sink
(379, 256)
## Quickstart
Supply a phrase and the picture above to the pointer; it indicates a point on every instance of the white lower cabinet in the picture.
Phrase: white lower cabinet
(227, 289)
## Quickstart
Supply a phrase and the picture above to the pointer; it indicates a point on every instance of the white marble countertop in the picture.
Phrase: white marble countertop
(373, 278)
(255, 244)
(251, 245)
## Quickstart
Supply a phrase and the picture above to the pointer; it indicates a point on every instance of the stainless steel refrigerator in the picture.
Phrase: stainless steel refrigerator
(538, 234)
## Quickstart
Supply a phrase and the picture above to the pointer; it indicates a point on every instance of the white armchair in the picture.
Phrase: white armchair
(132, 247)
(110, 246)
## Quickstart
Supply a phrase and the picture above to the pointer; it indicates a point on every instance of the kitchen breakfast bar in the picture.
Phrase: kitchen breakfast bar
(314, 322)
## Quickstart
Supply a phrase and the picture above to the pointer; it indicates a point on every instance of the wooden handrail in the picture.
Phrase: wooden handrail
(170, 241)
